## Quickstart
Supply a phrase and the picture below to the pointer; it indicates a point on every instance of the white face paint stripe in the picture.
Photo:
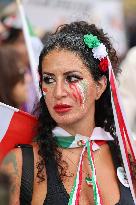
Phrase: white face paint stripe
(82, 86)
(82, 92)
(45, 92)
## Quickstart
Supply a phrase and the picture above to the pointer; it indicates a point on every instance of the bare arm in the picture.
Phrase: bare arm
(11, 165)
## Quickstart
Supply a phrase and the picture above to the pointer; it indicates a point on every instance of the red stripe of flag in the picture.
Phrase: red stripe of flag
(21, 130)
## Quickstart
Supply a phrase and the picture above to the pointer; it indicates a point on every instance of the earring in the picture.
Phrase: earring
(97, 86)
(97, 92)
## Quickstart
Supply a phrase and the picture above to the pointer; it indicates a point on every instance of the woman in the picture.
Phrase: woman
(13, 85)
(75, 106)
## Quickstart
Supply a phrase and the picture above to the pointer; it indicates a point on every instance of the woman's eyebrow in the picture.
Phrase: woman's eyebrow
(71, 72)
(65, 73)
(48, 73)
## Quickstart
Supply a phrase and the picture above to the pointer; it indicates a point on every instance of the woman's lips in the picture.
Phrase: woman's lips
(60, 108)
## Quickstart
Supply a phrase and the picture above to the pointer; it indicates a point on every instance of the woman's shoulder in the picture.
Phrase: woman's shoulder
(11, 165)
(12, 160)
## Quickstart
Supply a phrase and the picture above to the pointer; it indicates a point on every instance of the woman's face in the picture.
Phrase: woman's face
(69, 89)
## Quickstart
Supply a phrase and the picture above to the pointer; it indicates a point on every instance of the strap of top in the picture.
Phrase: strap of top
(27, 179)
(56, 192)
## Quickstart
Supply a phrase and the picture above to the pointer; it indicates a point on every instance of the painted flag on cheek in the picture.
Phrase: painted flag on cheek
(16, 127)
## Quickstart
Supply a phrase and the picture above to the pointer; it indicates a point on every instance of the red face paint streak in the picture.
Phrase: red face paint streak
(45, 90)
(76, 93)
(79, 94)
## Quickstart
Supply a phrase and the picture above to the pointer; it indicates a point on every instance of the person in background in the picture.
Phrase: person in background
(13, 83)
(14, 36)
(127, 87)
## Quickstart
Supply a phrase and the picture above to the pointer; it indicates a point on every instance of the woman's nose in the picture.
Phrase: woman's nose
(60, 90)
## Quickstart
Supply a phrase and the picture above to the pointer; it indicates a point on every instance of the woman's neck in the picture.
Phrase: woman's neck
(85, 129)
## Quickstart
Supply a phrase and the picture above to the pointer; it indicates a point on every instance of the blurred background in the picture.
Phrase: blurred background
(18, 85)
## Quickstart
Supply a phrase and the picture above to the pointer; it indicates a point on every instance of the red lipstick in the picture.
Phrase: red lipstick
(60, 108)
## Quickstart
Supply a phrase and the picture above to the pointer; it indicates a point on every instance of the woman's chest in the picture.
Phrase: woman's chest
(105, 174)
(106, 178)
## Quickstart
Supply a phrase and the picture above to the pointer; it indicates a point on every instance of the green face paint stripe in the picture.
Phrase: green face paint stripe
(84, 83)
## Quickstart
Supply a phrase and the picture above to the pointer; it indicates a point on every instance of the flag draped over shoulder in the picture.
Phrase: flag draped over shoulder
(16, 127)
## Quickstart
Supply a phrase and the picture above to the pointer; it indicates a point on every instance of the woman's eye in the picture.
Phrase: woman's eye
(48, 79)
(73, 78)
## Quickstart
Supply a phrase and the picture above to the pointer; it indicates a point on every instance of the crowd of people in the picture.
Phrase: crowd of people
(14, 56)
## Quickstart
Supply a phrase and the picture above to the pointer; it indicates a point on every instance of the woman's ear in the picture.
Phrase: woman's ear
(101, 86)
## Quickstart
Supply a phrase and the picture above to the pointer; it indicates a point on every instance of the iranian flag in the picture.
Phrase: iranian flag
(16, 127)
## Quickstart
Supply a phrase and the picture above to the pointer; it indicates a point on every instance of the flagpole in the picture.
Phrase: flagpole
(33, 64)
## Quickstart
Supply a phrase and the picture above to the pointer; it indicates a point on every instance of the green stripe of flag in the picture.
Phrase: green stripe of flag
(64, 142)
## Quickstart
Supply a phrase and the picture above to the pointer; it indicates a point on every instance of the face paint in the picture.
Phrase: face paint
(82, 86)
(44, 91)
(73, 88)
(73, 92)
(79, 90)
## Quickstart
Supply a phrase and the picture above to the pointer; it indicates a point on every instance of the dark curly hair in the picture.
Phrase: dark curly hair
(70, 37)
